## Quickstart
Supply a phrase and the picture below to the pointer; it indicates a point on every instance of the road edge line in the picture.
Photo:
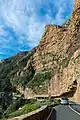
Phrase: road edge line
(74, 110)
(50, 114)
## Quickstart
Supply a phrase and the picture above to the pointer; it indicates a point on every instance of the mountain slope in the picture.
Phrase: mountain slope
(17, 67)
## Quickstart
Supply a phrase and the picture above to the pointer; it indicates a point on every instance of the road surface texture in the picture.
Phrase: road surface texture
(66, 112)
(76, 107)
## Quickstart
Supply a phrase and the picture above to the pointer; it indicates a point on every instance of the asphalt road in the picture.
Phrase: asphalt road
(76, 107)
(64, 112)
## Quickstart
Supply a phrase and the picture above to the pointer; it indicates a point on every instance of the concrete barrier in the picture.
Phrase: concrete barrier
(39, 114)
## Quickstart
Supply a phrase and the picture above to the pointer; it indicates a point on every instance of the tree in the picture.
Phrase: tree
(5, 94)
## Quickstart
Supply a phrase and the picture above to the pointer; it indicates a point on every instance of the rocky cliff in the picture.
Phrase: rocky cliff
(59, 51)
(76, 4)
(53, 66)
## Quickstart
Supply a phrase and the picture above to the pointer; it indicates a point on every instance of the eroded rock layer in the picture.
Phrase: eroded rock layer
(59, 50)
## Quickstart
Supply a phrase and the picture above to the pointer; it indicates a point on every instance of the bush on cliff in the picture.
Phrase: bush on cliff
(30, 106)
(39, 79)
(15, 106)
(25, 109)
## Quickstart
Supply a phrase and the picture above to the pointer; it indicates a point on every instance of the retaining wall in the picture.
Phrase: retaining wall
(40, 114)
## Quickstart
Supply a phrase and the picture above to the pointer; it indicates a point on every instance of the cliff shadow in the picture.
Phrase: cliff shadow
(53, 115)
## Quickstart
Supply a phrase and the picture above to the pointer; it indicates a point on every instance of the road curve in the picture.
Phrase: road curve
(63, 112)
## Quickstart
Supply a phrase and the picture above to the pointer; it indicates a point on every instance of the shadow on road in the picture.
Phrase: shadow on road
(53, 116)
(72, 103)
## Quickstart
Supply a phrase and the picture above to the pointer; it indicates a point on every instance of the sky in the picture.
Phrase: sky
(22, 22)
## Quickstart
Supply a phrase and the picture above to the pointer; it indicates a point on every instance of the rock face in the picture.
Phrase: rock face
(59, 50)
(53, 67)
(76, 4)
(66, 81)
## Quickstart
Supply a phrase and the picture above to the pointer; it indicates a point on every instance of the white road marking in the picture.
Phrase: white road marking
(50, 114)
(74, 110)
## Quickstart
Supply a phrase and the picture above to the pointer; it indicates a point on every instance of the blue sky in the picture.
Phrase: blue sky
(22, 22)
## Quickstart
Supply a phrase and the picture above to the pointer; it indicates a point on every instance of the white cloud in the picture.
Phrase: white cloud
(23, 18)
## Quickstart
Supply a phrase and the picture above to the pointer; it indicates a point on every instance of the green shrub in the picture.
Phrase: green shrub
(15, 106)
(31, 106)
(39, 79)
(18, 80)
(25, 109)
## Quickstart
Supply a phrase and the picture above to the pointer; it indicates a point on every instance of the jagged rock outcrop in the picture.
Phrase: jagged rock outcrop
(76, 4)
(59, 51)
